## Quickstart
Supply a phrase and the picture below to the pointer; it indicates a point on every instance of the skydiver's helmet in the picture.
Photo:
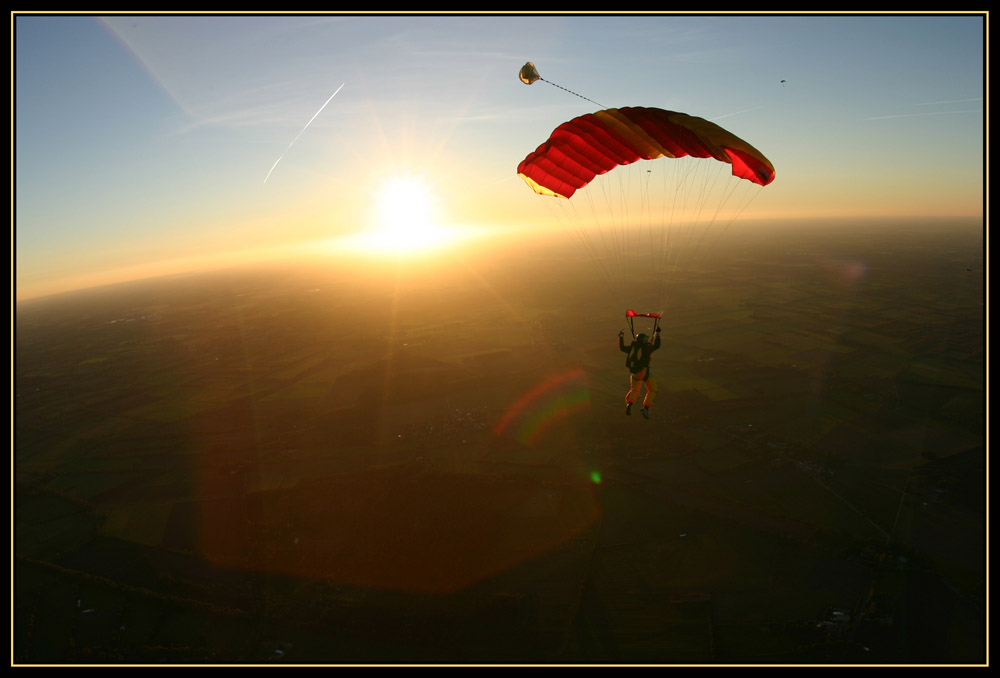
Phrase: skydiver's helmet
(642, 339)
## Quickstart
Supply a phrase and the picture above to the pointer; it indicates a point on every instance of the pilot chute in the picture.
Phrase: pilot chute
(529, 74)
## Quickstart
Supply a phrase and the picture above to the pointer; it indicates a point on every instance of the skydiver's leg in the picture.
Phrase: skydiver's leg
(635, 386)
(650, 393)
(650, 397)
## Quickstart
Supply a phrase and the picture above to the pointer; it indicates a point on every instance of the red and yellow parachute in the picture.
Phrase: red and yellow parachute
(646, 224)
(596, 143)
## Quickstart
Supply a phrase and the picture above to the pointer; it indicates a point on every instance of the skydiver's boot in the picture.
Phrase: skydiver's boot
(645, 412)
(628, 409)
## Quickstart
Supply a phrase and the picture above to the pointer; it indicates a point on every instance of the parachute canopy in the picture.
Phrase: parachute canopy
(529, 73)
(596, 143)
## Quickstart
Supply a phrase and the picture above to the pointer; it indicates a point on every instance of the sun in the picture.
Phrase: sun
(405, 222)
(405, 205)
(406, 219)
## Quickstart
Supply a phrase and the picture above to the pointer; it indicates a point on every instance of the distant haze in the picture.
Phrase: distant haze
(149, 144)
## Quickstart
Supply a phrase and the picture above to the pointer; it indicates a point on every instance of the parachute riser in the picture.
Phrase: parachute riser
(632, 315)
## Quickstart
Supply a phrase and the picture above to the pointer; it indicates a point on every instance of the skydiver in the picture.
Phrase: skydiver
(639, 353)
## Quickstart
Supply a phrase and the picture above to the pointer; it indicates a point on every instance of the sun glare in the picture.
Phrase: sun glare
(406, 221)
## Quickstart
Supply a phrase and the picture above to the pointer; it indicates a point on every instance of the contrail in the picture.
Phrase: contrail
(303, 130)
(729, 115)
(513, 176)
(922, 115)
(952, 101)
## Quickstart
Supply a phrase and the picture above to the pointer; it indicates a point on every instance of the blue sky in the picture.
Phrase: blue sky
(142, 143)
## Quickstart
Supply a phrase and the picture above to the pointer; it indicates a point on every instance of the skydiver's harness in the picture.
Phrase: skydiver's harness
(636, 361)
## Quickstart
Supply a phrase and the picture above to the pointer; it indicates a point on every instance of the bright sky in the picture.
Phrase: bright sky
(147, 144)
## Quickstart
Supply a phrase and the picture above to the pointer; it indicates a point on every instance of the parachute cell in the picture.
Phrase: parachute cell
(596, 143)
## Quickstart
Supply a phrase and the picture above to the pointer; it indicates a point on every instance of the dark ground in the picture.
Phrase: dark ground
(330, 466)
